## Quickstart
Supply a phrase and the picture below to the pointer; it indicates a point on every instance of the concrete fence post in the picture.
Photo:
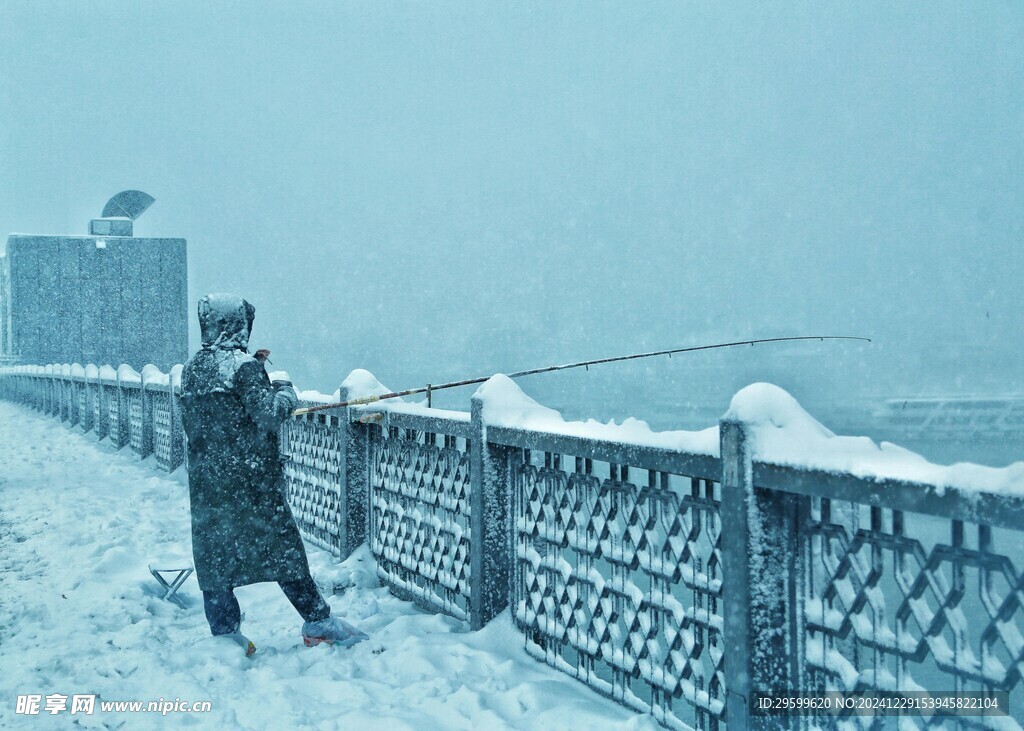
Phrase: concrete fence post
(87, 406)
(177, 430)
(123, 415)
(68, 396)
(490, 523)
(146, 395)
(74, 399)
(101, 422)
(354, 440)
(54, 393)
(62, 395)
(761, 560)
(76, 384)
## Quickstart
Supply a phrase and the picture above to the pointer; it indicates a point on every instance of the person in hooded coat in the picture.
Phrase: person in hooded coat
(243, 531)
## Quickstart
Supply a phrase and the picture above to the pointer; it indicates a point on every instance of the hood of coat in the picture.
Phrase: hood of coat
(225, 321)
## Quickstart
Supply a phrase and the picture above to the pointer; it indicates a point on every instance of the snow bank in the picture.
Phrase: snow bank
(505, 404)
(107, 373)
(784, 433)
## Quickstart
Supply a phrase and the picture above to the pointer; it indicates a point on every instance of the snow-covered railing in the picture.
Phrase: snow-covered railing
(314, 479)
(397, 477)
(677, 572)
(875, 569)
(420, 510)
(126, 407)
(617, 541)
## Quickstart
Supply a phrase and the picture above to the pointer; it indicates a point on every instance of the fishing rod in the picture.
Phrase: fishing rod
(430, 388)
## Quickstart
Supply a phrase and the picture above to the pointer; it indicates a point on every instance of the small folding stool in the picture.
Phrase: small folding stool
(177, 570)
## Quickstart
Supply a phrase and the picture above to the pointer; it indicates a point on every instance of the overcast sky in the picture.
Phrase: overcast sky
(434, 190)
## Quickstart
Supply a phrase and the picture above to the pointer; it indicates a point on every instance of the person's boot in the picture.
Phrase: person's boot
(331, 631)
(242, 641)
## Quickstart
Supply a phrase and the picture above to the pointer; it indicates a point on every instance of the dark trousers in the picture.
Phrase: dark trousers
(224, 614)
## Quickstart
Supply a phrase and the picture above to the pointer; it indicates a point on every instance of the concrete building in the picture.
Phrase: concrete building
(107, 298)
(6, 352)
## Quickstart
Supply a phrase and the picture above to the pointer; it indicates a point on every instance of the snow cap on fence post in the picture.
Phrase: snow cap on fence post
(355, 458)
(174, 377)
(489, 514)
(762, 569)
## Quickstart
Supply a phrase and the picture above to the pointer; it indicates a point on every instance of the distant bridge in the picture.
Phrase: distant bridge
(956, 417)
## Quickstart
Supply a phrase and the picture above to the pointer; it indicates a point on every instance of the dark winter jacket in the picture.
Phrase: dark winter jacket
(243, 531)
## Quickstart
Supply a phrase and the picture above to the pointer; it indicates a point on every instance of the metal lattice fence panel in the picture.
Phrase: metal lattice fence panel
(100, 418)
(114, 426)
(419, 514)
(135, 414)
(618, 583)
(313, 472)
(167, 431)
(910, 602)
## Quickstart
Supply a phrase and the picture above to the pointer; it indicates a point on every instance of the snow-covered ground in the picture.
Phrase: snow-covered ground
(79, 614)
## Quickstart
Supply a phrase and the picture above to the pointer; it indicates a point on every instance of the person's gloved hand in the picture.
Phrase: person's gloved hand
(285, 398)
